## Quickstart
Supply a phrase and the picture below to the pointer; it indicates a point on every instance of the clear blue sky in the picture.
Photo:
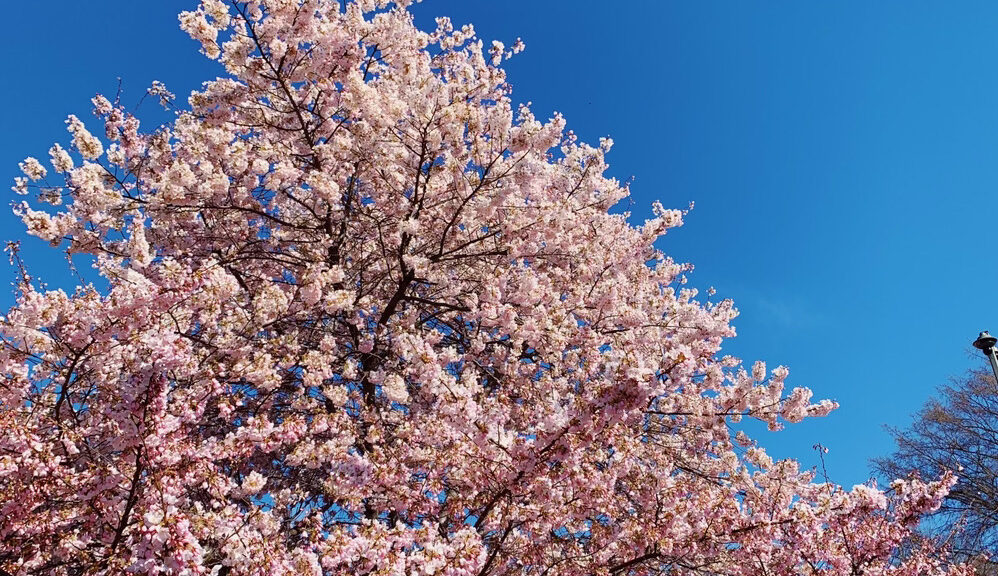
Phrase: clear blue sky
(843, 157)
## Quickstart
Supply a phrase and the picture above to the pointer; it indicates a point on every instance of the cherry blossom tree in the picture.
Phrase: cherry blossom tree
(364, 316)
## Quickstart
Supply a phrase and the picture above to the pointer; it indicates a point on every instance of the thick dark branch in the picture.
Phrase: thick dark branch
(129, 503)
(396, 298)
(419, 300)
(624, 566)
(495, 551)
(492, 504)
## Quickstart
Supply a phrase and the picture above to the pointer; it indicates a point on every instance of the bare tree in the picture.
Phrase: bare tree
(956, 430)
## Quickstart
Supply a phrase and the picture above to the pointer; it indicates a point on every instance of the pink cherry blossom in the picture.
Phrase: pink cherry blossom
(363, 316)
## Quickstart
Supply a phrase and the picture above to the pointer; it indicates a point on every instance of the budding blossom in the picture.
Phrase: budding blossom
(360, 315)
(159, 90)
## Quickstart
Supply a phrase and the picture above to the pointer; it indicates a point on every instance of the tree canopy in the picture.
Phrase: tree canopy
(364, 315)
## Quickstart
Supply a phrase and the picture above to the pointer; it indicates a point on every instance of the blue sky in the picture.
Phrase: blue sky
(843, 158)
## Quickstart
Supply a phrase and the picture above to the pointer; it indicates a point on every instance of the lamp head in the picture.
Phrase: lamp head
(985, 341)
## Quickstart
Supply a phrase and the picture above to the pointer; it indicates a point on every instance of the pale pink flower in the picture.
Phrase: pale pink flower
(32, 168)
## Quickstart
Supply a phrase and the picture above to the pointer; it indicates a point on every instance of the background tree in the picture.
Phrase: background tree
(363, 317)
(957, 431)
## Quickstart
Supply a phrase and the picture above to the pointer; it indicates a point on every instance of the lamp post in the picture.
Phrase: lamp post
(986, 343)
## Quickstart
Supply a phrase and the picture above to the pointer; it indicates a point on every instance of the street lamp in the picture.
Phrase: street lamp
(986, 343)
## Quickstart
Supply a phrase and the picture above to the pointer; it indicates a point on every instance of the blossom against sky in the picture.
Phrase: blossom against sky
(842, 159)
